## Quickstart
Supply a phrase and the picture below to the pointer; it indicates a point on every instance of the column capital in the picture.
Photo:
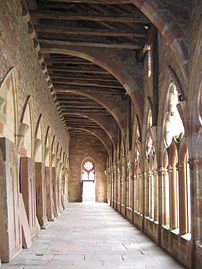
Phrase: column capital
(162, 171)
(194, 162)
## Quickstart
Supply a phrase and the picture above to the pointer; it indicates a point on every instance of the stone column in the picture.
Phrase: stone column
(195, 165)
(55, 191)
(183, 206)
(124, 187)
(41, 194)
(10, 221)
(162, 216)
(156, 195)
(147, 177)
(28, 189)
(135, 199)
(172, 198)
(49, 194)
(59, 188)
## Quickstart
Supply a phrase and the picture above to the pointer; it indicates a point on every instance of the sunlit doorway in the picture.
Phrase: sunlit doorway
(88, 181)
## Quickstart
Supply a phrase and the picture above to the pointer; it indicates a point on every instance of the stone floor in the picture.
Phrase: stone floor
(92, 236)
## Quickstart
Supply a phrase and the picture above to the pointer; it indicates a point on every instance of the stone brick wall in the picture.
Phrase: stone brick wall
(16, 50)
(80, 148)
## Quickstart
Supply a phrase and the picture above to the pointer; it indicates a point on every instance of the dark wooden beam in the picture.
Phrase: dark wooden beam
(104, 2)
(56, 15)
(82, 77)
(142, 53)
(87, 84)
(89, 32)
(61, 89)
(66, 61)
(66, 43)
(76, 70)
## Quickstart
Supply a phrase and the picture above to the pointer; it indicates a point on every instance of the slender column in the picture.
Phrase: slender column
(131, 180)
(183, 225)
(147, 177)
(172, 198)
(156, 196)
(135, 199)
(163, 215)
(143, 178)
(124, 185)
(115, 184)
(196, 212)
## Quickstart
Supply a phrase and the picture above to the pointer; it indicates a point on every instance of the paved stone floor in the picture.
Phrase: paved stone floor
(92, 236)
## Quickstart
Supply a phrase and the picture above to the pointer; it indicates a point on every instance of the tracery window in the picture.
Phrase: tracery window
(137, 173)
(151, 180)
(88, 171)
(178, 168)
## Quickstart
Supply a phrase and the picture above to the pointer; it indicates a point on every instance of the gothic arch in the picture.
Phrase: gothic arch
(102, 121)
(47, 147)
(38, 140)
(9, 106)
(26, 128)
(126, 81)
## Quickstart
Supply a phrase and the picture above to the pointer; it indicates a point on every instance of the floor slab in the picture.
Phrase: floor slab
(92, 236)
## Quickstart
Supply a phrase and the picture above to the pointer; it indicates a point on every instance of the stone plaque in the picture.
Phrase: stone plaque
(41, 194)
(49, 194)
(10, 224)
(28, 189)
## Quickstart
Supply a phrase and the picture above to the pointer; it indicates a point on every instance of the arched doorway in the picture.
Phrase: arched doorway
(88, 180)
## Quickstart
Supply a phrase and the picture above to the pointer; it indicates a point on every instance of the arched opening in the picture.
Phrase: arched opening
(88, 180)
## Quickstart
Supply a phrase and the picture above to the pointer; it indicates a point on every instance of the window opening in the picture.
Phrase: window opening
(88, 181)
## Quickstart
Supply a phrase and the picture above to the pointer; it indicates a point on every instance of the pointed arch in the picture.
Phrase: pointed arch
(47, 147)
(26, 128)
(38, 140)
(9, 106)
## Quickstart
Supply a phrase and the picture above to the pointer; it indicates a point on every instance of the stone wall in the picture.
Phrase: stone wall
(80, 148)
(17, 50)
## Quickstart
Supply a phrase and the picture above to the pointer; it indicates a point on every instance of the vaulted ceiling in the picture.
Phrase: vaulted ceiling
(91, 50)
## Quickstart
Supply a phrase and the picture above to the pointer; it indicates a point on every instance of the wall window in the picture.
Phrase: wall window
(178, 168)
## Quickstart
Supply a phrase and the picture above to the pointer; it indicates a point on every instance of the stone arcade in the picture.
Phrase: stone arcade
(104, 96)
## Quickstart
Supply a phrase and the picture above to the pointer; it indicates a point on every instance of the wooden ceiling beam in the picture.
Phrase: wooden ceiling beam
(56, 15)
(89, 32)
(83, 78)
(59, 88)
(78, 70)
(102, 2)
(66, 43)
(87, 84)
(65, 61)
(150, 35)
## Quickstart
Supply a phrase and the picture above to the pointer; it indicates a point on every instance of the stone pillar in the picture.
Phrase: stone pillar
(49, 194)
(10, 223)
(41, 194)
(147, 178)
(55, 191)
(124, 175)
(183, 212)
(162, 196)
(115, 185)
(156, 195)
(195, 165)
(59, 188)
(172, 198)
(28, 189)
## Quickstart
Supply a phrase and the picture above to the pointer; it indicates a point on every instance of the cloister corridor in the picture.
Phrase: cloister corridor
(100, 134)
(92, 236)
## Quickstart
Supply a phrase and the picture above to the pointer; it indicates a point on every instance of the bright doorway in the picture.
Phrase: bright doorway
(88, 181)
